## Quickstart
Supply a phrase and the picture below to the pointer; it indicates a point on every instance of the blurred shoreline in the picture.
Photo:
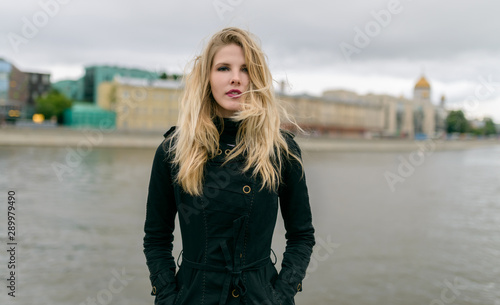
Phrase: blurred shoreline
(88, 138)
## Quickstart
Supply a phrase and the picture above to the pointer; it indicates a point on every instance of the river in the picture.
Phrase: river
(392, 228)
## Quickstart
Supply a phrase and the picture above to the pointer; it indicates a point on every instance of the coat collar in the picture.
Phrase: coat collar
(227, 126)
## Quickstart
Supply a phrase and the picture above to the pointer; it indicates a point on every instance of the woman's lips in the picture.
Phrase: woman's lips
(233, 93)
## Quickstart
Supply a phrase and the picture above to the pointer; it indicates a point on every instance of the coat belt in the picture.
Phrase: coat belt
(233, 273)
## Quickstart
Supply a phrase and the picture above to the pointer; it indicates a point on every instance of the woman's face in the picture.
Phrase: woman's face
(229, 78)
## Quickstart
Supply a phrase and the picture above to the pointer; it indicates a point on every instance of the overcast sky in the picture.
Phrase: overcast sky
(378, 46)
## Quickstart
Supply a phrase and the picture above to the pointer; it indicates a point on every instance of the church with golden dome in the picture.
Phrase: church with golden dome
(423, 110)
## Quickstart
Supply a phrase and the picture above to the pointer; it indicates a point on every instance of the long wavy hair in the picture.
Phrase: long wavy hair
(196, 138)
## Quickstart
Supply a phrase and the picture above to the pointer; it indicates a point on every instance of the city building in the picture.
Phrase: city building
(85, 88)
(87, 112)
(341, 113)
(95, 75)
(141, 104)
(19, 91)
(87, 115)
(72, 89)
(346, 114)
(38, 85)
(424, 118)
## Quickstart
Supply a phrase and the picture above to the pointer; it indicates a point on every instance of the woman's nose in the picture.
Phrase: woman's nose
(235, 79)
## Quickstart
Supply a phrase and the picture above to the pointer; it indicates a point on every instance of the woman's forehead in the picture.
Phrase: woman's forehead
(229, 54)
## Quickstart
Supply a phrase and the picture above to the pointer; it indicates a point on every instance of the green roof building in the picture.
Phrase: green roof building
(85, 115)
(95, 75)
(72, 89)
(85, 88)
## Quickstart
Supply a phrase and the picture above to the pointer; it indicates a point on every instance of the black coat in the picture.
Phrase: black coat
(227, 233)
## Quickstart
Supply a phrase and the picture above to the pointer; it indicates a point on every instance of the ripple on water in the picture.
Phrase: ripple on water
(439, 226)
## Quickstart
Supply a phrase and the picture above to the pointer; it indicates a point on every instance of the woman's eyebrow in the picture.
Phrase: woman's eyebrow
(227, 64)
(222, 63)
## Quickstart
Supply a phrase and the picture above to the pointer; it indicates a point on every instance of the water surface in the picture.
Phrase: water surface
(438, 228)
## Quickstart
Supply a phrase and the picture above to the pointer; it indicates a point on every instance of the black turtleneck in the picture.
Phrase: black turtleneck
(228, 131)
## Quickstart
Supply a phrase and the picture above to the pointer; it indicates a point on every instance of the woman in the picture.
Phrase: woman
(222, 169)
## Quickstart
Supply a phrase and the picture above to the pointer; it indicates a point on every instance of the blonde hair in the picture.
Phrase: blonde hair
(258, 138)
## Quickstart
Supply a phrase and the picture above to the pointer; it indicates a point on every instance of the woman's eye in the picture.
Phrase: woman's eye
(222, 68)
(244, 69)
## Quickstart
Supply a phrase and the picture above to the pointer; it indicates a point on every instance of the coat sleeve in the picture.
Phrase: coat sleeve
(297, 217)
(159, 226)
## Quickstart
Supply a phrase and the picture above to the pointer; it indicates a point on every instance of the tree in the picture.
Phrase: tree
(489, 127)
(164, 75)
(53, 104)
(456, 122)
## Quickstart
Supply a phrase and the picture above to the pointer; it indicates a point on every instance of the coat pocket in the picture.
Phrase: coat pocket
(179, 295)
(262, 290)
(273, 295)
(162, 299)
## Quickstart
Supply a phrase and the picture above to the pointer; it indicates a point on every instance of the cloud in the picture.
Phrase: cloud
(422, 30)
(453, 43)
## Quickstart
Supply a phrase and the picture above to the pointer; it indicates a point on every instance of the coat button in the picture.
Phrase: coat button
(299, 287)
(219, 151)
(154, 290)
(235, 294)
(227, 151)
(246, 189)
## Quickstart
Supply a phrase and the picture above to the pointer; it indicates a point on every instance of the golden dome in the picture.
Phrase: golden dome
(422, 84)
